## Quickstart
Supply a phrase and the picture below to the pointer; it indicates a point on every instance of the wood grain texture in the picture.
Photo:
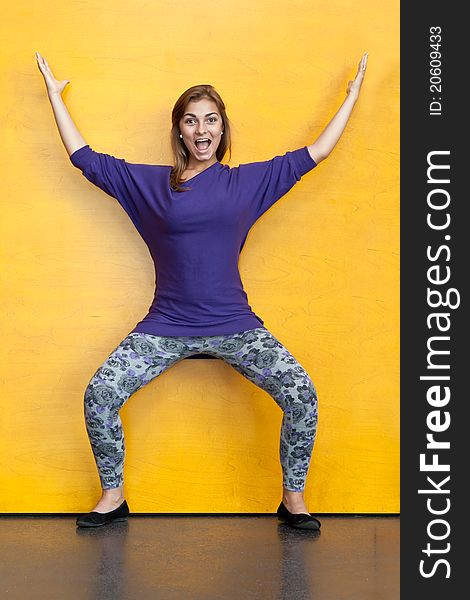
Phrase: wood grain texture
(321, 267)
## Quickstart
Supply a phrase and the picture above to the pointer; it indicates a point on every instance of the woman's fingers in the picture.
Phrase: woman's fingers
(363, 62)
(44, 66)
(52, 84)
(355, 85)
(43, 63)
(362, 67)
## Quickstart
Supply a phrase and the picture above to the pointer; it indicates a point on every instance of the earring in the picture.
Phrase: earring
(181, 135)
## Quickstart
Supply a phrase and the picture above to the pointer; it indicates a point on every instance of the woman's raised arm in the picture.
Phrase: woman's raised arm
(327, 140)
(69, 133)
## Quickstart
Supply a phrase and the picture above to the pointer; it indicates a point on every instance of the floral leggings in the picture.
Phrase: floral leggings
(256, 354)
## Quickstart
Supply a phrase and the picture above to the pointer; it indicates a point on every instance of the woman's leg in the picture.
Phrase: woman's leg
(138, 359)
(262, 359)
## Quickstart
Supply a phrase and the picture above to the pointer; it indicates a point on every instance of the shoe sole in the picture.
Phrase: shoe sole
(310, 526)
(119, 519)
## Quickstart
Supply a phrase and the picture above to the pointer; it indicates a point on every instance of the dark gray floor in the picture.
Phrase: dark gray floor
(199, 558)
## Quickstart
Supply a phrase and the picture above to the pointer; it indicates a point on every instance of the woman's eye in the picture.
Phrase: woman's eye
(212, 119)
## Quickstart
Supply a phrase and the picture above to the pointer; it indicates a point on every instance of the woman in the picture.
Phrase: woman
(195, 217)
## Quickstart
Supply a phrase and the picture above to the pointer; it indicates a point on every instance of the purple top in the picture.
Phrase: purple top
(195, 237)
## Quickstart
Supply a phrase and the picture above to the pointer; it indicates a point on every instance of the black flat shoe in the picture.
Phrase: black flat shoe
(96, 519)
(300, 521)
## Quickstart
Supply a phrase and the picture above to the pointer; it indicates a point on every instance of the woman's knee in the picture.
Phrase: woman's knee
(102, 401)
(309, 391)
(301, 400)
(100, 394)
(110, 386)
(302, 387)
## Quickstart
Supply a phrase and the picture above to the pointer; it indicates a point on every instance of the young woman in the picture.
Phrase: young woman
(194, 217)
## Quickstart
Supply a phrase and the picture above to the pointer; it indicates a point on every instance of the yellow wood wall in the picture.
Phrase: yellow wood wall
(321, 267)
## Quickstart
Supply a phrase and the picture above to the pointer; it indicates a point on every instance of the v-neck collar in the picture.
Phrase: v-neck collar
(200, 173)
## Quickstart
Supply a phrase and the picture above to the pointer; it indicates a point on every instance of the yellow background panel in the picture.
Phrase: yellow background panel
(321, 267)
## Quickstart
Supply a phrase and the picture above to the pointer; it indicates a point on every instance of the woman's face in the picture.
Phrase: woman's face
(201, 119)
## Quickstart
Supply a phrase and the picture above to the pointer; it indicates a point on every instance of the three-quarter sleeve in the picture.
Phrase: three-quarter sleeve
(112, 175)
(263, 183)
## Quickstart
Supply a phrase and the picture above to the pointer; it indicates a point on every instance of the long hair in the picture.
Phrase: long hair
(180, 152)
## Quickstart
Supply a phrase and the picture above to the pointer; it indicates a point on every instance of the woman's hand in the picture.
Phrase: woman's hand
(355, 85)
(71, 137)
(324, 144)
(53, 85)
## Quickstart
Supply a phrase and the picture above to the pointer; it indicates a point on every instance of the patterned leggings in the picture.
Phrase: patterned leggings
(256, 354)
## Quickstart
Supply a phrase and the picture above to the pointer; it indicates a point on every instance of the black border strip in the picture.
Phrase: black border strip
(431, 567)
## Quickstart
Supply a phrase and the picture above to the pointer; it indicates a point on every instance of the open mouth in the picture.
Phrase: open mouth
(202, 144)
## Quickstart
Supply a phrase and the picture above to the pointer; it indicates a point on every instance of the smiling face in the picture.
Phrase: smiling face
(201, 119)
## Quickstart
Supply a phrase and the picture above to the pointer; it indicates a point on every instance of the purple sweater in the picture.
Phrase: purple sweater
(195, 237)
